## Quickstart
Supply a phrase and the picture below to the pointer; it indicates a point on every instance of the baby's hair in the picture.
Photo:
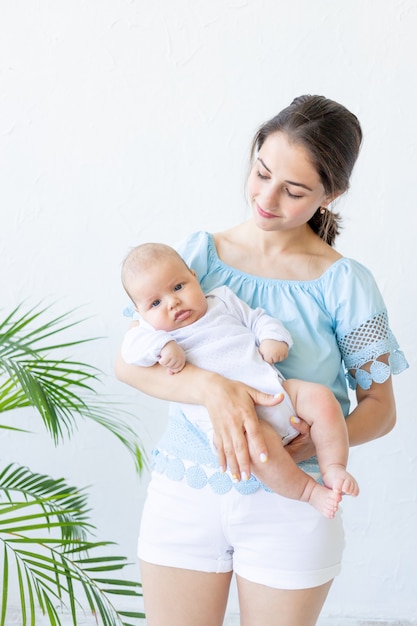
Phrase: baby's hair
(143, 256)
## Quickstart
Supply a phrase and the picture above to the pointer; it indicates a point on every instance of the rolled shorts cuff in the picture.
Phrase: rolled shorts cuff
(287, 579)
(184, 561)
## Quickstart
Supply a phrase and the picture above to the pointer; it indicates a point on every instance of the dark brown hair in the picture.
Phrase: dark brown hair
(332, 137)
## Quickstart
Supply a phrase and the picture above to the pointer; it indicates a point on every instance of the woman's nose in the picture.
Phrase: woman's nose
(270, 198)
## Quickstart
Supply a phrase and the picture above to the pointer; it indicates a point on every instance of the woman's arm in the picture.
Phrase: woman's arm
(230, 405)
(374, 415)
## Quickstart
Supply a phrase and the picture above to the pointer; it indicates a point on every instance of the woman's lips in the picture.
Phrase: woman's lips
(263, 213)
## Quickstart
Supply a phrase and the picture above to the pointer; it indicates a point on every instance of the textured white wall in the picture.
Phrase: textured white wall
(127, 121)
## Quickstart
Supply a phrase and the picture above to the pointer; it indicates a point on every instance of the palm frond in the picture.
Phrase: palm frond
(43, 526)
(11, 397)
(52, 497)
(62, 390)
(45, 550)
(32, 332)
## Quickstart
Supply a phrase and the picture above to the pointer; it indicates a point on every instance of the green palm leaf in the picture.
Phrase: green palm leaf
(61, 389)
(46, 556)
(43, 528)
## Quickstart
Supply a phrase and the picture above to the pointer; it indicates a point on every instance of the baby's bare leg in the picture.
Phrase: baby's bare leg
(317, 406)
(281, 474)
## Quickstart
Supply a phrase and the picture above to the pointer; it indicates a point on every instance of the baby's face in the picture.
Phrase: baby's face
(169, 296)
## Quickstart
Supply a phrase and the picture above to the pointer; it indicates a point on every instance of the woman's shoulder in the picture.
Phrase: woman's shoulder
(345, 270)
(194, 245)
(351, 292)
(197, 239)
(349, 282)
(198, 252)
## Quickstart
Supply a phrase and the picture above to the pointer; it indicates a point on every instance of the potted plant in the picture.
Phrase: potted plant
(47, 557)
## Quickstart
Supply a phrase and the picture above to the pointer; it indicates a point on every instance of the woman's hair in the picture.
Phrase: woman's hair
(332, 137)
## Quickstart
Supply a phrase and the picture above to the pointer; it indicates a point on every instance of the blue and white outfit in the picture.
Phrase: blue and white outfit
(224, 340)
(195, 517)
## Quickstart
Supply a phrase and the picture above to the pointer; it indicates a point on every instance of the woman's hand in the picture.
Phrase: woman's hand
(231, 406)
(301, 448)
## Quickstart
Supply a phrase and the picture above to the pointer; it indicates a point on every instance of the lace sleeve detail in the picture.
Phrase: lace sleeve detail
(365, 344)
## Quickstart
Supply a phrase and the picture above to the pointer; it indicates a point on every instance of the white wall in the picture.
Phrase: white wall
(123, 121)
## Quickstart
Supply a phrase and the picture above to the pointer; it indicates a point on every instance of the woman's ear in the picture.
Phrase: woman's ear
(331, 198)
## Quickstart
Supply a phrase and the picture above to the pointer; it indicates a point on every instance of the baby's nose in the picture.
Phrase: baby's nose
(174, 301)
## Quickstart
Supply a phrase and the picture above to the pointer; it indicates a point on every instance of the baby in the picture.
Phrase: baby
(219, 332)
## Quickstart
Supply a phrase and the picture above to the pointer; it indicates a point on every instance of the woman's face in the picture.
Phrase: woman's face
(284, 187)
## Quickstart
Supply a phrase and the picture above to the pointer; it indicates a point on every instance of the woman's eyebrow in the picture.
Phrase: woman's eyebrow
(267, 168)
(289, 182)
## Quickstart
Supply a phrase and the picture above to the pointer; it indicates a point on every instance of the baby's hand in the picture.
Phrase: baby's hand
(273, 351)
(172, 357)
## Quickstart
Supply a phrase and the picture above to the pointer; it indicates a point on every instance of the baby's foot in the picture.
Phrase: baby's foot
(338, 479)
(325, 500)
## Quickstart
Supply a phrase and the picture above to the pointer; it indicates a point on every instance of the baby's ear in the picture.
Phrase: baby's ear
(194, 273)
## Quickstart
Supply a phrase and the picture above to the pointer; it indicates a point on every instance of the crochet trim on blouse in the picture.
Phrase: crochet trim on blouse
(365, 344)
(184, 452)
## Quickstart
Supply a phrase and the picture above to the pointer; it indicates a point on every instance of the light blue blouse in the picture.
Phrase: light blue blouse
(338, 322)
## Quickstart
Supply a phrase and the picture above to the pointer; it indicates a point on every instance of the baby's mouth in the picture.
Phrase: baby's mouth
(180, 316)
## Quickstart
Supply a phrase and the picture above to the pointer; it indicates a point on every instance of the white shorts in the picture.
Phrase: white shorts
(262, 537)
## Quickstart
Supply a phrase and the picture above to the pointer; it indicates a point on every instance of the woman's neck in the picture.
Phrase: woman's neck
(287, 255)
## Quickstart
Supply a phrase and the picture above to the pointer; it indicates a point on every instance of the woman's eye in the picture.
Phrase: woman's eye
(178, 287)
(261, 176)
(155, 303)
(292, 195)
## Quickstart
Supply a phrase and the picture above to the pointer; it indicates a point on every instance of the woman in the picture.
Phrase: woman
(198, 526)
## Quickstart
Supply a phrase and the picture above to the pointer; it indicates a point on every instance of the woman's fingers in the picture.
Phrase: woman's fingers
(300, 425)
(231, 406)
(238, 425)
(301, 448)
(232, 448)
(238, 459)
(253, 431)
(218, 444)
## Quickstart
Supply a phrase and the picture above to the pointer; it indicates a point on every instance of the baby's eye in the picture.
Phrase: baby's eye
(178, 287)
(155, 303)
